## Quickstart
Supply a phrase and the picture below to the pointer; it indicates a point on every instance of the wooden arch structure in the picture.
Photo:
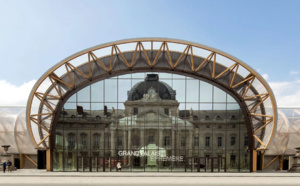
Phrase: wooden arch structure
(250, 90)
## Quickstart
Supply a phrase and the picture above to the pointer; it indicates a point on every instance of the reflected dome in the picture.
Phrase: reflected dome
(150, 86)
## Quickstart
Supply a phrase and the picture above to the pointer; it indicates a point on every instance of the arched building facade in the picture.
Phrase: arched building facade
(153, 104)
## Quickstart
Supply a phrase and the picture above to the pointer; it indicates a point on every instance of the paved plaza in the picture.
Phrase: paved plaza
(42, 177)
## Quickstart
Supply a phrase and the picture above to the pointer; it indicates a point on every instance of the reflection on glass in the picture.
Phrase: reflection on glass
(179, 86)
(219, 95)
(97, 90)
(165, 76)
(72, 98)
(156, 123)
(124, 86)
(138, 75)
(84, 95)
(219, 106)
(192, 90)
(230, 99)
(206, 91)
(110, 89)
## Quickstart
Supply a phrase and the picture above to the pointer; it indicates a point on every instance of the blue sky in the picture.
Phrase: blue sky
(37, 34)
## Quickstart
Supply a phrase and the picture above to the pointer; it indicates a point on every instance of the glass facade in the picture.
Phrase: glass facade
(151, 122)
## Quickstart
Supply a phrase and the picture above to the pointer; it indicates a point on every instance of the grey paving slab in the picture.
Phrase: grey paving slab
(152, 181)
(44, 173)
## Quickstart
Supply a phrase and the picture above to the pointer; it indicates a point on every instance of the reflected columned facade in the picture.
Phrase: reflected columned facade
(151, 122)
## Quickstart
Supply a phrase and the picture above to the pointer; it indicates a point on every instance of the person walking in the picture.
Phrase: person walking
(8, 166)
(119, 167)
(4, 166)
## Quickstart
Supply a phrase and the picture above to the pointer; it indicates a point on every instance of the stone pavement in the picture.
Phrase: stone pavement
(44, 173)
(43, 178)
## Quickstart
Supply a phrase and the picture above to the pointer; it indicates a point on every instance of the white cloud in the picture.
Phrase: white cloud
(294, 72)
(287, 94)
(265, 76)
(12, 95)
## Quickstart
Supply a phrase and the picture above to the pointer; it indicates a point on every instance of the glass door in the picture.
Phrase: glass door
(195, 164)
(201, 165)
(100, 164)
(80, 164)
(189, 164)
(217, 164)
(107, 167)
(84, 164)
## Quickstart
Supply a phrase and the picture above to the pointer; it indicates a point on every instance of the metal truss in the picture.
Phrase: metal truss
(152, 55)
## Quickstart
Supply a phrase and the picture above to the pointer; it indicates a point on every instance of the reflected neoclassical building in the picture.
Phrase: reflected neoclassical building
(151, 122)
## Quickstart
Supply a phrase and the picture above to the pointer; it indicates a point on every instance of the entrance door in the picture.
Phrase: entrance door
(205, 164)
(218, 164)
(100, 164)
(17, 163)
(84, 164)
(191, 164)
(107, 161)
(285, 163)
(195, 164)
(137, 164)
(202, 167)
(90, 164)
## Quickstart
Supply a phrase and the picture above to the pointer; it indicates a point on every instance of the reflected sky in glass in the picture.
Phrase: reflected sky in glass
(190, 93)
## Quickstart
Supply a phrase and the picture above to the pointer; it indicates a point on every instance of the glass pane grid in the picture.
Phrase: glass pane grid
(181, 125)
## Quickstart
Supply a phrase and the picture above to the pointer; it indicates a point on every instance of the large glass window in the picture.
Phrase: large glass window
(167, 141)
(246, 141)
(182, 142)
(207, 141)
(219, 141)
(196, 141)
(150, 122)
(96, 140)
(71, 140)
(232, 141)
